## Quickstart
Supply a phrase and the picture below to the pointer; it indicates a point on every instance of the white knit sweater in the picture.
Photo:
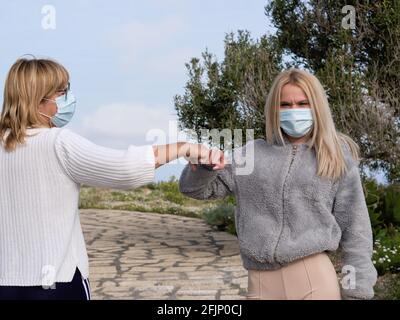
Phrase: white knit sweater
(41, 239)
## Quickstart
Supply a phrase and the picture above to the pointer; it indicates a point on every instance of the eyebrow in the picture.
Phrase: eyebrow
(301, 101)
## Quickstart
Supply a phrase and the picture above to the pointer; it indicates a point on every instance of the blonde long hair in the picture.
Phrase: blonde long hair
(326, 141)
(28, 82)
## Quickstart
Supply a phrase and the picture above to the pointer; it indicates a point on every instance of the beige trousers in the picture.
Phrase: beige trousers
(309, 278)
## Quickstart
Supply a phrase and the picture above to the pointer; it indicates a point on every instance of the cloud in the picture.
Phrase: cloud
(119, 125)
(137, 35)
(152, 46)
(128, 122)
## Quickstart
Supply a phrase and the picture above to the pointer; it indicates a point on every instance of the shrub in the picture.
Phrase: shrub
(386, 254)
(151, 186)
(171, 191)
(121, 196)
(383, 204)
(222, 217)
(391, 203)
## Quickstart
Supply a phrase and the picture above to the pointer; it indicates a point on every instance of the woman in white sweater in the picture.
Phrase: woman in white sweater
(42, 249)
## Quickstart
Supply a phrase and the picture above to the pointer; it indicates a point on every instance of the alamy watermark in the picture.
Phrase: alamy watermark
(48, 277)
(49, 17)
(236, 149)
(349, 20)
(349, 279)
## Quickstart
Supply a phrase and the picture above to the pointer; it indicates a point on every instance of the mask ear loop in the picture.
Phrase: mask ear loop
(45, 115)
(50, 122)
(50, 100)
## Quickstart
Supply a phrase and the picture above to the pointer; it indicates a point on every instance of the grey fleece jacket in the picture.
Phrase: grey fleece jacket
(284, 211)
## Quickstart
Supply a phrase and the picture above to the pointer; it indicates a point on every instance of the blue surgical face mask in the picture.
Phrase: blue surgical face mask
(65, 110)
(296, 122)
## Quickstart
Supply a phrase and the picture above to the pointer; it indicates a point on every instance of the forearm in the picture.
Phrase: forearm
(204, 184)
(356, 244)
(357, 257)
(167, 153)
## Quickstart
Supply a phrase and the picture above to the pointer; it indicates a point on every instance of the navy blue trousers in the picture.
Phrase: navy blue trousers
(77, 289)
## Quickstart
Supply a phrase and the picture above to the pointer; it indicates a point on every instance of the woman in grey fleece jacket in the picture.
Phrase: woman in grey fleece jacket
(301, 197)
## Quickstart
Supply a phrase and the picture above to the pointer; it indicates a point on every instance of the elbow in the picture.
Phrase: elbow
(191, 193)
(195, 195)
(135, 181)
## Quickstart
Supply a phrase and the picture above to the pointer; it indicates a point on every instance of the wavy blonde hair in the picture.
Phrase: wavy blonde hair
(28, 82)
(326, 141)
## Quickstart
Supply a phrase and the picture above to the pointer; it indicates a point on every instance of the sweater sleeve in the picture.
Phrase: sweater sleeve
(93, 165)
(206, 184)
(356, 243)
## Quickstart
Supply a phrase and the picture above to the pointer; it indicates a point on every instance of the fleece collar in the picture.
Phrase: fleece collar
(288, 144)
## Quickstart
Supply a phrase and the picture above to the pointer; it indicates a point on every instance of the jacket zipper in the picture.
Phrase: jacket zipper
(294, 150)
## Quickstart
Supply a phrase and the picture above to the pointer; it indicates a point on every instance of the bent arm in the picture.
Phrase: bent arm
(356, 244)
(207, 184)
(167, 153)
(93, 165)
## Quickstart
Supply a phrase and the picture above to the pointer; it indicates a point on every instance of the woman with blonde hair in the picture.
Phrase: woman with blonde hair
(303, 198)
(42, 166)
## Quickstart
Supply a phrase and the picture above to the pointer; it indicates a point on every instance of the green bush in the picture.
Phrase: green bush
(391, 204)
(386, 254)
(89, 198)
(151, 186)
(222, 217)
(121, 196)
(230, 199)
(383, 204)
(171, 191)
(373, 197)
(394, 290)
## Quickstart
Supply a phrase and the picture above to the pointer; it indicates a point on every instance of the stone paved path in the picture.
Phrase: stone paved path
(136, 255)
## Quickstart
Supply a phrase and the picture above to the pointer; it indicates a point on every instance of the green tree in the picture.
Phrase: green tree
(359, 67)
(229, 94)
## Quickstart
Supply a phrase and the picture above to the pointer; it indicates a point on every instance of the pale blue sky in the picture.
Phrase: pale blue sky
(126, 58)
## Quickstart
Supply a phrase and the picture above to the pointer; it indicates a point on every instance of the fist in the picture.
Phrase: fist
(198, 154)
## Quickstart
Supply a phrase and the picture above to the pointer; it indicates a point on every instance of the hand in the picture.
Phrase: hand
(198, 154)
